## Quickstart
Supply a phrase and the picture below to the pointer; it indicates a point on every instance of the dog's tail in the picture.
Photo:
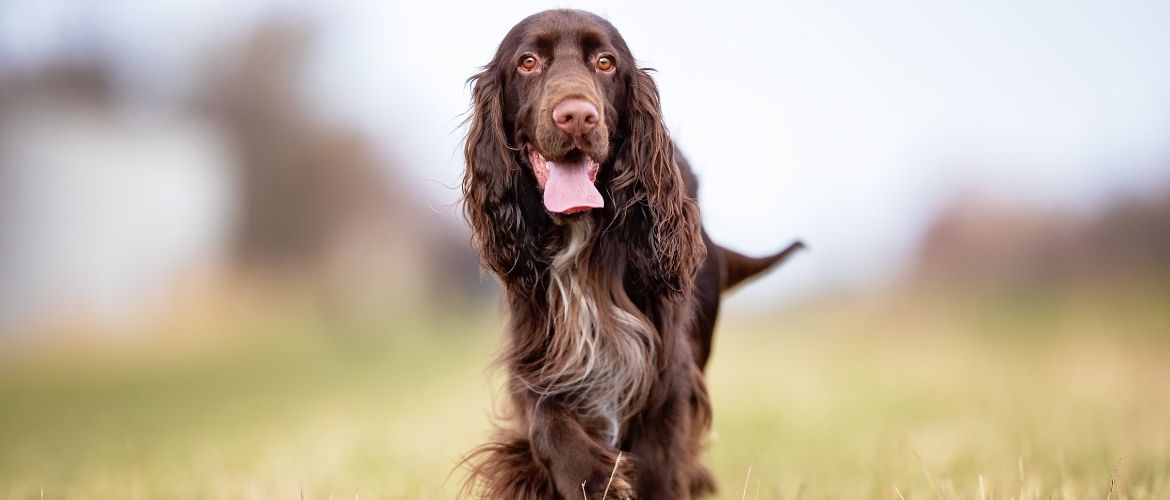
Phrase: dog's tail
(738, 267)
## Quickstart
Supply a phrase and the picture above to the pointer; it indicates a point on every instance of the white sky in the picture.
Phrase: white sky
(843, 123)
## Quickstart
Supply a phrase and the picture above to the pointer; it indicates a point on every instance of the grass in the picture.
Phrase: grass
(891, 398)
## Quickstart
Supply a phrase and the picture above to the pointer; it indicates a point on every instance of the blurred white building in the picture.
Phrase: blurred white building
(102, 210)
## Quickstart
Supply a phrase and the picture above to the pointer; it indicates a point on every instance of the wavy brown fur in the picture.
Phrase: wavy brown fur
(610, 310)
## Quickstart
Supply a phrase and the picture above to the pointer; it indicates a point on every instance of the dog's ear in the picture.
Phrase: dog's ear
(501, 231)
(660, 221)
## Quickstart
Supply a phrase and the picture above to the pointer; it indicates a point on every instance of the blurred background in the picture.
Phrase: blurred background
(233, 265)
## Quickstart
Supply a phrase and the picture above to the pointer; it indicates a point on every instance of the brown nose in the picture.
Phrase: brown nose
(575, 117)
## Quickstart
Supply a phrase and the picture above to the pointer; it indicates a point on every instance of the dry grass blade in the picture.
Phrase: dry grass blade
(899, 493)
(583, 494)
(746, 479)
(1020, 477)
(612, 473)
(1113, 480)
(929, 477)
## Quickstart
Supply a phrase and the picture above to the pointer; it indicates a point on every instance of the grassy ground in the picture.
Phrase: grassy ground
(849, 399)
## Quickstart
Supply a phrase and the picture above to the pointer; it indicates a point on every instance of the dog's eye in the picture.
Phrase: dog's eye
(605, 63)
(528, 63)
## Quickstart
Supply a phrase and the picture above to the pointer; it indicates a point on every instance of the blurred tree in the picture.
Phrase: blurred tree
(316, 200)
(988, 244)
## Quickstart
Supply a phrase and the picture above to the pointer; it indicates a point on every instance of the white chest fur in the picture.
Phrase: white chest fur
(600, 353)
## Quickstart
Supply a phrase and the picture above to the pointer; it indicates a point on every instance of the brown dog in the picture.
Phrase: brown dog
(579, 203)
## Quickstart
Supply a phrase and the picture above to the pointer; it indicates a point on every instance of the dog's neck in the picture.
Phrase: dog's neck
(601, 348)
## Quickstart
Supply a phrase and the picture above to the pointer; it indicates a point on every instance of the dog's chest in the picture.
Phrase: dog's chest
(600, 355)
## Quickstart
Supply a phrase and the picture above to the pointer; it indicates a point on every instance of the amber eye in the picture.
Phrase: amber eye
(605, 63)
(528, 63)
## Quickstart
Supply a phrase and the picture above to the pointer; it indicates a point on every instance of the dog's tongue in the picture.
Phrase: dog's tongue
(569, 189)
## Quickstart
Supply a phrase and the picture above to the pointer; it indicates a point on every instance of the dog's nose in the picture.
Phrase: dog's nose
(575, 117)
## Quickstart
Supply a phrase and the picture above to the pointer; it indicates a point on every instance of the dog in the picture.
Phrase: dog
(579, 202)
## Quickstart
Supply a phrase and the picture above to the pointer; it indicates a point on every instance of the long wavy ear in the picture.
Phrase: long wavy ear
(667, 244)
(492, 200)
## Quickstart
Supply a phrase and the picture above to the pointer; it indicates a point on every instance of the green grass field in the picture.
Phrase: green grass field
(966, 398)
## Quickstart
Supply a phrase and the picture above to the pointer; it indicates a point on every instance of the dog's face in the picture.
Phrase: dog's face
(566, 75)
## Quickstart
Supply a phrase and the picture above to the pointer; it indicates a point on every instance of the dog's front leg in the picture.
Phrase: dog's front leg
(668, 439)
(580, 463)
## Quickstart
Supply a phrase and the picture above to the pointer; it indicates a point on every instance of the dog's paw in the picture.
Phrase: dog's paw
(620, 489)
(616, 483)
(702, 483)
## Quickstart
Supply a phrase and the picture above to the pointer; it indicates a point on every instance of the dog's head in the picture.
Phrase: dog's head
(562, 81)
(564, 125)
(569, 81)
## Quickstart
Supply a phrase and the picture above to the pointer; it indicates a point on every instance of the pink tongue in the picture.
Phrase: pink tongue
(569, 189)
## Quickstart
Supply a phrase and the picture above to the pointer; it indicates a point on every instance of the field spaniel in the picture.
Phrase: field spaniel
(580, 204)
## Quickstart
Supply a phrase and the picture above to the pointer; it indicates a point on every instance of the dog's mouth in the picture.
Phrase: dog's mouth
(567, 183)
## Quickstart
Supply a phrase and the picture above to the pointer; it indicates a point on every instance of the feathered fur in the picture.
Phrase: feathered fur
(607, 329)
